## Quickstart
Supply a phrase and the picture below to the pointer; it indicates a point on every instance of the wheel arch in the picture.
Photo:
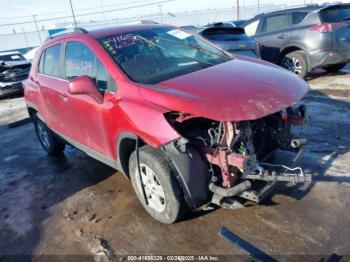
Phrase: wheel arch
(291, 48)
(126, 144)
(191, 171)
(32, 112)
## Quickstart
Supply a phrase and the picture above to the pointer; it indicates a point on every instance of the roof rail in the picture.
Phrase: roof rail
(287, 7)
(68, 31)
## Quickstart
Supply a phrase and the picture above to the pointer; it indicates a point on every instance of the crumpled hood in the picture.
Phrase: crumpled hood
(241, 89)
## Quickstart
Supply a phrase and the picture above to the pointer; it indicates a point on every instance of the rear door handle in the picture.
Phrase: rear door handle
(64, 98)
(283, 36)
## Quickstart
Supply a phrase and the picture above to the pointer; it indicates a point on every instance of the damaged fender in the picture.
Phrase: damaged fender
(191, 172)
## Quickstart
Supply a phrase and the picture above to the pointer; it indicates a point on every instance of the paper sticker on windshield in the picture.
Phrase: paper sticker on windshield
(179, 34)
(15, 57)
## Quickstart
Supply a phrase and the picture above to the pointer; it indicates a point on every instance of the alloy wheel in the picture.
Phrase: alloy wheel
(293, 64)
(43, 134)
(153, 189)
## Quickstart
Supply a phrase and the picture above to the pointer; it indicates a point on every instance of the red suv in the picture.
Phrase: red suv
(187, 122)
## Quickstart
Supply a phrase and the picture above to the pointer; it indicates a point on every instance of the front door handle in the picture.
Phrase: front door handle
(64, 98)
(283, 36)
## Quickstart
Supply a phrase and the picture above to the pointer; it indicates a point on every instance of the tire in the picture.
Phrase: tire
(334, 68)
(296, 62)
(168, 204)
(47, 138)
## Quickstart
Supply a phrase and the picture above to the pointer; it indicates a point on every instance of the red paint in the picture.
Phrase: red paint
(243, 89)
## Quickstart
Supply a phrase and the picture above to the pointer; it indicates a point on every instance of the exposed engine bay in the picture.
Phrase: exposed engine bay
(237, 152)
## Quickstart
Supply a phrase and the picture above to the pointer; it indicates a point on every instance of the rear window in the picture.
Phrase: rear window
(298, 17)
(52, 61)
(225, 35)
(336, 14)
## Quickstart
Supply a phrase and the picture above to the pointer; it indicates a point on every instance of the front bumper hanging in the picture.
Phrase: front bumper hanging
(271, 174)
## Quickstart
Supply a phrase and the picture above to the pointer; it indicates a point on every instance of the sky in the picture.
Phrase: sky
(15, 11)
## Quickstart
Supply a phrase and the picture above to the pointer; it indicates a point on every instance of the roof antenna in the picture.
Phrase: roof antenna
(71, 7)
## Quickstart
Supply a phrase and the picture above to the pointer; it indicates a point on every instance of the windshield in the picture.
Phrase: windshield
(336, 14)
(14, 57)
(153, 56)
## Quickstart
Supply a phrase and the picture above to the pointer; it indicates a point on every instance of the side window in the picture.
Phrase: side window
(80, 61)
(251, 28)
(298, 17)
(52, 61)
(41, 63)
(276, 23)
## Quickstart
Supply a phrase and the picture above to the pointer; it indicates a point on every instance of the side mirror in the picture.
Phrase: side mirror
(84, 85)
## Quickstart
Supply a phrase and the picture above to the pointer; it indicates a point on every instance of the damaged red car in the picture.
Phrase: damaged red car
(188, 123)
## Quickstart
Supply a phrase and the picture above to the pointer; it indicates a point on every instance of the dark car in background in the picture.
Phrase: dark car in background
(301, 39)
(14, 68)
(235, 23)
(239, 23)
(232, 39)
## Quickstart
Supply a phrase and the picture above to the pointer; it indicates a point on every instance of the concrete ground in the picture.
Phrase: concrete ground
(74, 205)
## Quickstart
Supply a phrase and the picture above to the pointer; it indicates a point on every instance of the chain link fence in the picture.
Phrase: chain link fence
(24, 40)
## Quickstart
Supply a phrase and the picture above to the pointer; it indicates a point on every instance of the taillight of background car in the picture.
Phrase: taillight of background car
(328, 27)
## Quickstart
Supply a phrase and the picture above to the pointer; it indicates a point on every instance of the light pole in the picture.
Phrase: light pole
(25, 37)
(71, 7)
(161, 13)
(238, 10)
(103, 11)
(37, 29)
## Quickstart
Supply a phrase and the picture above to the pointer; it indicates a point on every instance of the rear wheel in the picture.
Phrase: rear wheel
(334, 68)
(47, 138)
(165, 201)
(296, 62)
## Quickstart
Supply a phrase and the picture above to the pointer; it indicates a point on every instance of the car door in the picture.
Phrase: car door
(52, 87)
(85, 116)
(273, 35)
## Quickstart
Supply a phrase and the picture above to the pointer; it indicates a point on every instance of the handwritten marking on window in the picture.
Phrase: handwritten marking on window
(120, 41)
(78, 65)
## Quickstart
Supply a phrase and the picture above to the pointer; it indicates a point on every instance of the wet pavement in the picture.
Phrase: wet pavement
(74, 205)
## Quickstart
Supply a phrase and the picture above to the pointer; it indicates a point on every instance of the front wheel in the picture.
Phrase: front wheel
(295, 62)
(47, 138)
(165, 201)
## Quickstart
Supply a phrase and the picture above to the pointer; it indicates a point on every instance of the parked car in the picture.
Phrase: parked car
(301, 39)
(235, 23)
(188, 123)
(239, 23)
(231, 39)
(14, 68)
